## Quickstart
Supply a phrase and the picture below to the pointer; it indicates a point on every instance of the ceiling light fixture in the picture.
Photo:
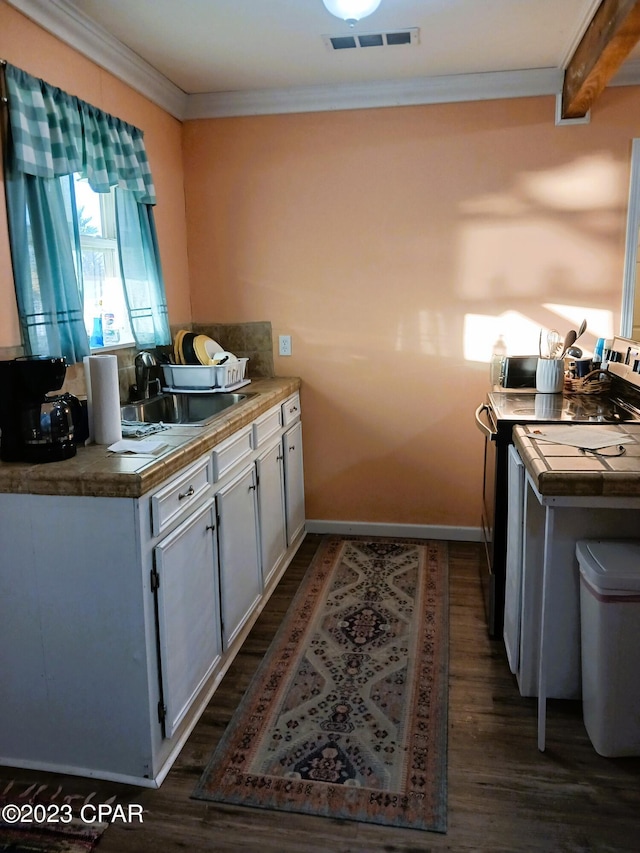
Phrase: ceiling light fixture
(351, 10)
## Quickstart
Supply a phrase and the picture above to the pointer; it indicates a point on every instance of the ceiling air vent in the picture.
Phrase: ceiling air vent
(361, 40)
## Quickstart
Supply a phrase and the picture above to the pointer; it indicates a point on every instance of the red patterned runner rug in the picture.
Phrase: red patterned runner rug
(347, 714)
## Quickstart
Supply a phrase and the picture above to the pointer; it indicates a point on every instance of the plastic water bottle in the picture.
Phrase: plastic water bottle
(497, 356)
(96, 338)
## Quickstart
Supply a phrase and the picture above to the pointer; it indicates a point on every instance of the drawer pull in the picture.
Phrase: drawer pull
(211, 527)
(190, 491)
(293, 447)
(252, 488)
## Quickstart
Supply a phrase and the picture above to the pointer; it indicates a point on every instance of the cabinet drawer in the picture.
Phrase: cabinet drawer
(291, 409)
(267, 425)
(179, 496)
(230, 452)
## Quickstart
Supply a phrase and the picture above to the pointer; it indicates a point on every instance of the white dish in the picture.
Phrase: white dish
(211, 347)
(217, 357)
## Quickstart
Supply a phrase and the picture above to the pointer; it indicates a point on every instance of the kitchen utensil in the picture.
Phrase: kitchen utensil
(553, 343)
(569, 341)
(574, 352)
(582, 329)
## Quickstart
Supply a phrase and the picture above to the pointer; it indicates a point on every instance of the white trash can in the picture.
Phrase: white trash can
(610, 641)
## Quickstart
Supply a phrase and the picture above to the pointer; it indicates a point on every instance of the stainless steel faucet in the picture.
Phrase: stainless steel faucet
(143, 363)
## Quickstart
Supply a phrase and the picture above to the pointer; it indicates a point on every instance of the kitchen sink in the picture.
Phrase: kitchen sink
(172, 408)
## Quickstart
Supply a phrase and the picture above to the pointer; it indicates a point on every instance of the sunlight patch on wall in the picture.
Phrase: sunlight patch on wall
(481, 331)
(599, 322)
(593, 182)
(521, 334)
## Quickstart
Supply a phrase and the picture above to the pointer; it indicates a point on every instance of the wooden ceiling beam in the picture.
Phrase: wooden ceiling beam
(610, 37)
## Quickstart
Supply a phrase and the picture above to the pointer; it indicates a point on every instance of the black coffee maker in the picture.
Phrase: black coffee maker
(35, 426)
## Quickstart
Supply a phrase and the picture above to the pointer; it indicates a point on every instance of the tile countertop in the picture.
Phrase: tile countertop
(95, 472)
(563, 470)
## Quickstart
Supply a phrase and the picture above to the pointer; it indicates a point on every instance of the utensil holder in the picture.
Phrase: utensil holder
(550, 375)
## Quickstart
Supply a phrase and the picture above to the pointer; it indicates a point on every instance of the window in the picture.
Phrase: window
(105, 310)
(86, 260)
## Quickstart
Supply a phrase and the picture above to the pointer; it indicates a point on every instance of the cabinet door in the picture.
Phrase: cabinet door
(271, 515)
(188, 612)
(294, 481)
(239, 550)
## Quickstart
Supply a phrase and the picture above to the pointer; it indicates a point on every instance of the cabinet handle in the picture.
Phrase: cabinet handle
(293, 447)
(190, 491)
(252, 488)
(210, 527)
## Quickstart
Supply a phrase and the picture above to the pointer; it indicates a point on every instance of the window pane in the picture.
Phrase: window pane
(88, 205)
(105, 312)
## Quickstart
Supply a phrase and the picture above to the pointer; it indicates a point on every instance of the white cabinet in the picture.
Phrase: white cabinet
(185, 575)
(123, 614)
(294, 481)
(271, 509)
(240, 574)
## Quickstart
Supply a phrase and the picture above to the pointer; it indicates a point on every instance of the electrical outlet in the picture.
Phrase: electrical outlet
(284, 344)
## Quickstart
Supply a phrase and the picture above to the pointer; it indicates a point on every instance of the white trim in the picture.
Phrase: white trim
(631, 244)
(585, 119)
(402, 531)
(386, 93)
(78, 30)
(628, 75)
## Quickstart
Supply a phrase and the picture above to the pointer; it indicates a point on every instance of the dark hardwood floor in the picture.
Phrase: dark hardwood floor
(504, 795)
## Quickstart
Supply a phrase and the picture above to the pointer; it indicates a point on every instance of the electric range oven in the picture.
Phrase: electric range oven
(496, 418)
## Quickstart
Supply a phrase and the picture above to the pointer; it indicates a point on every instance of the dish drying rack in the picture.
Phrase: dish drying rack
(206, 379)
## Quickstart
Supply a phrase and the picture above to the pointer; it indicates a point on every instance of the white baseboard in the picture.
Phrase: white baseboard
(403, 531)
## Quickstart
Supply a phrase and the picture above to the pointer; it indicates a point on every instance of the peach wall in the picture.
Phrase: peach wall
(391, 244)
(387, 242)
(29, 47)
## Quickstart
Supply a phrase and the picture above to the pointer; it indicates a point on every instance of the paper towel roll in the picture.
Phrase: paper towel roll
(87, 382)
(104, 399)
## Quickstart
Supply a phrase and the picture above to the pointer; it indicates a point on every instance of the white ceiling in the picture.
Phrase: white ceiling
(241, 56)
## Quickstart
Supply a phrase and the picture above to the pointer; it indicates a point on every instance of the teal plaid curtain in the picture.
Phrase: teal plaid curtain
(51, 136)
(55, 134)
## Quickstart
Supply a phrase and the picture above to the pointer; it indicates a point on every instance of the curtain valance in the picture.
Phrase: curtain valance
(55, 134)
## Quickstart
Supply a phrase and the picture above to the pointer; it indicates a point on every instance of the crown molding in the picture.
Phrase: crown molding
(629, 74)
(387, 93)
(78, 31)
